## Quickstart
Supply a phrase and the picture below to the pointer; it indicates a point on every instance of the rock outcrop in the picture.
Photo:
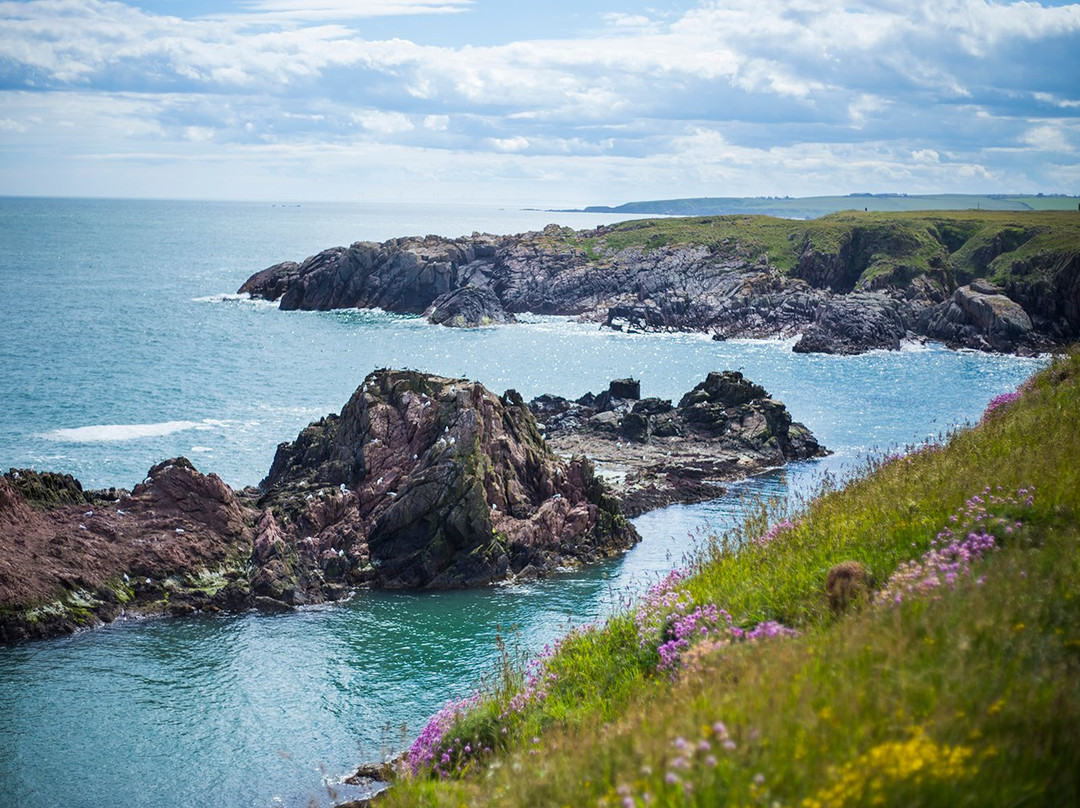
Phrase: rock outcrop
(653, 453)
(856, 323)
(420, 481)
(423, 481)
(468, 307)
(981, 316)
(860, 286)
(402, 275)
(177, 542)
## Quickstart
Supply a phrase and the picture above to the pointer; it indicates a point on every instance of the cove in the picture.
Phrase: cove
(120, 320)
(251, 709)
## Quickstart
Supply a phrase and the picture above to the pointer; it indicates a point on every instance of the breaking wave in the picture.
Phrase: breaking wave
(103, 433)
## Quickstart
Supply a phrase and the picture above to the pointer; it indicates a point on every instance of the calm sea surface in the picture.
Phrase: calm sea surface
(124, 345)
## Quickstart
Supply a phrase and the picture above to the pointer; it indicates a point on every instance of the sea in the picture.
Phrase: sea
(124, 343)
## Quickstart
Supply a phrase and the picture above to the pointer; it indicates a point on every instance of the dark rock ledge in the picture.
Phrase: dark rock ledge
(419, 482)
(653, 453)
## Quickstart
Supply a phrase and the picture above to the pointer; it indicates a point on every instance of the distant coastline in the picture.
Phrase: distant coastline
(811, 207)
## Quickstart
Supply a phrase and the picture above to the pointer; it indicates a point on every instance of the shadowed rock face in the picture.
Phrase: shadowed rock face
(401, 275)
(468, 307)
(857, 323)
(433, 482)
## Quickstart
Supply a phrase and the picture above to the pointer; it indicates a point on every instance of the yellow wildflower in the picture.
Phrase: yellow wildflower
(878, 771)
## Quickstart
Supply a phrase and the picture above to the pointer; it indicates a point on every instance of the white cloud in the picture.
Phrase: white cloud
(383, 123)
(1053, 100)
(794, 91)
(299, 10)
(198, 134)
(510, 144)
(1048, 137)
(864, 107)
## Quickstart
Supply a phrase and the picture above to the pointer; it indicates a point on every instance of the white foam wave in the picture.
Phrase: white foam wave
(256, 302)
(785, 343)
(106, 433)
(917, 346)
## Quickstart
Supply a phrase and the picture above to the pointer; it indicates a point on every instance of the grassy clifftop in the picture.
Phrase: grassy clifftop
(813, 206)
(948, 673)
(999, 245)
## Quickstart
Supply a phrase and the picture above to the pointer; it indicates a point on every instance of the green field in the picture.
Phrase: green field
(950, 677)
(883, 248)
(811, 207)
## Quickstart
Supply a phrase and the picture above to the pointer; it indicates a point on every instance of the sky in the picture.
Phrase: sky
(561, 104)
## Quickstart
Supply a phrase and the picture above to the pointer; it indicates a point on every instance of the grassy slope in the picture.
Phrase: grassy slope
(968, 242)
(967, 696)
(813, 206)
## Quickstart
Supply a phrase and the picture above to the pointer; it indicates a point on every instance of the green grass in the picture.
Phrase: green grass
(876, 249)
(814, 206)
(967, 696)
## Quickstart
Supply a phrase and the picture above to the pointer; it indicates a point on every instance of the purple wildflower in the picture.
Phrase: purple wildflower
(999, 403)
(952, 553)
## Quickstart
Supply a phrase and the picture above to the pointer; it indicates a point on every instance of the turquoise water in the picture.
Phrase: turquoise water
(123, 345)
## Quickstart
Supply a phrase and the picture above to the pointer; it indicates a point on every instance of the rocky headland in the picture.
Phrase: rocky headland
(846, 283)
(419, 482)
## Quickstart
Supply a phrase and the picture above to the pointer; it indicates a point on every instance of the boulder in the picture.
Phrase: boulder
(856, 323)
(728, 388)
(981, 316)
(468, 307)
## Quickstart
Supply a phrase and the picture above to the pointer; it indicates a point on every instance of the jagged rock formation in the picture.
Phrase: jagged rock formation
(401, 275)
(653, 453)
(420, 481)
(423, 481)
(847, 284)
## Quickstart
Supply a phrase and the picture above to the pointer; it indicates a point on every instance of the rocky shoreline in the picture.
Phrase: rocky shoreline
(842, 285)
(653, 453)
(419, 482)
